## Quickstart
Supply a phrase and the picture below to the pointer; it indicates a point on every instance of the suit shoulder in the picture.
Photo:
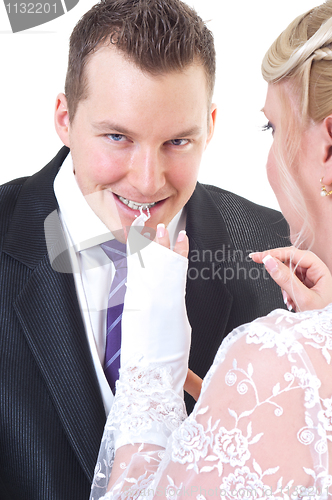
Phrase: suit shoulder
(14, 182)
(228, 201)
(247, 220)
(9, 194)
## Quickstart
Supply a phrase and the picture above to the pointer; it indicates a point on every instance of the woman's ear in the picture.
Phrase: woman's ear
(61, 119)
(327, 158)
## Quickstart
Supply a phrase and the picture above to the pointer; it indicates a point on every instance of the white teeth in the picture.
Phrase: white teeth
(135, 205)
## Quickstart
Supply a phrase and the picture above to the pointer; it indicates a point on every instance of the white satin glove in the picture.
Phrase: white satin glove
(155, 333)
(154, 322)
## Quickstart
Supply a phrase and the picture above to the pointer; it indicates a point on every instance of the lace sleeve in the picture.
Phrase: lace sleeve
(145, 405)
(262, 427)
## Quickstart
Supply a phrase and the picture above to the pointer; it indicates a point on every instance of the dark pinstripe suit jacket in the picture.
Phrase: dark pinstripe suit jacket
(51, 410)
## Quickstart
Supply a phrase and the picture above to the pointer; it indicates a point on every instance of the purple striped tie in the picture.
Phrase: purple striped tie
(116, 251)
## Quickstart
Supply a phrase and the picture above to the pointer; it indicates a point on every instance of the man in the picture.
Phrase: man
(137, 115)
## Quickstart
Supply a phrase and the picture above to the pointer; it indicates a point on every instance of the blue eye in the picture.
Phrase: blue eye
(179, 142)
(116, 137)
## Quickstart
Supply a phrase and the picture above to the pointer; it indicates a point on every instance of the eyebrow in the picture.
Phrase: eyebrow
(107, 125)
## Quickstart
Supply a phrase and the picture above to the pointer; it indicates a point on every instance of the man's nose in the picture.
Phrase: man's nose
(147, 172)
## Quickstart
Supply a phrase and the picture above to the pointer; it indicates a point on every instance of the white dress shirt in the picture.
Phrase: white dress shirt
(85, 231)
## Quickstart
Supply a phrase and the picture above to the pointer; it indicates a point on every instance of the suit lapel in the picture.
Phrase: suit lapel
(58, 343)
(208, 300)
(48, 311)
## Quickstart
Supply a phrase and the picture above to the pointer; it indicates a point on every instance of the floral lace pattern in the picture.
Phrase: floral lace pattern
(144, 398)
(145, 404)
(260, 429)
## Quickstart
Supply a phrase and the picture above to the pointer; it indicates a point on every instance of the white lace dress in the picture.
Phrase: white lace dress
(262, 427)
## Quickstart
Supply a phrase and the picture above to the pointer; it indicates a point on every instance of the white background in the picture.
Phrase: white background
(33, 67)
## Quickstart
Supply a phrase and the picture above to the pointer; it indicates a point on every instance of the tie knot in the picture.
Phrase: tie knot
(115, 250)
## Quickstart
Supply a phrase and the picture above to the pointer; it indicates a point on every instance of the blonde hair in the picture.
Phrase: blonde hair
(301, 57)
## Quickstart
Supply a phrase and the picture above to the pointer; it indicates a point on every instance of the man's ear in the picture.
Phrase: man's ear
(212, 123)
(327, 159)
(61, 119)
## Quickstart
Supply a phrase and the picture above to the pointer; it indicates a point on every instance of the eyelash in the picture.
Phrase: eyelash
(267, 127)
(186, 143)
(118, 135)
(121, 136)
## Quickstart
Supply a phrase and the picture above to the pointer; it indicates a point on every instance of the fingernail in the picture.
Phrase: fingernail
(270, 263)
(181, 236)
(284, 294)
(251, 254)
(290, 308)
(161, 230)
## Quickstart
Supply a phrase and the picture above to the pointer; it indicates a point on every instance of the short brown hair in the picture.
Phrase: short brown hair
(159, 36)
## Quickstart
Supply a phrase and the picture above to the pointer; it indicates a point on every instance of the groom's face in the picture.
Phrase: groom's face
(138, 138)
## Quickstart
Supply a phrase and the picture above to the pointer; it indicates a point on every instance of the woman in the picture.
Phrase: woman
(262, 426)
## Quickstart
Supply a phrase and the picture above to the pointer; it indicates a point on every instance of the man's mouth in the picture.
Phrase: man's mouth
(134, 205)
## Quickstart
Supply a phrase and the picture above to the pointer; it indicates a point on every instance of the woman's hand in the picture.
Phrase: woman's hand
(193, 383)
(182, 243)
(155, 327)
(305, 280)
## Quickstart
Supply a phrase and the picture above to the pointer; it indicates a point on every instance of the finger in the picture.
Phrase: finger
(302, 274)
(283, 254)
(308, 267)
(286, 298)
(162, 236)
(182, 244)
(288, 281)
(288, 301)
(289, 254)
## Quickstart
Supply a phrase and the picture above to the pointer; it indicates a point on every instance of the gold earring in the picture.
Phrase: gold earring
(323, 191)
